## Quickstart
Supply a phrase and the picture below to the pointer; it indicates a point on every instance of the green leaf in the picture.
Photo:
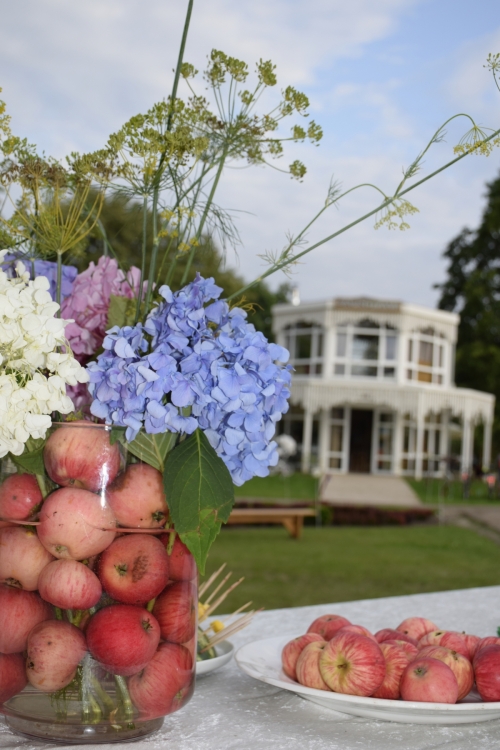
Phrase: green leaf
(31, 460)
(200, 494)
(152, 448)
(122, 311)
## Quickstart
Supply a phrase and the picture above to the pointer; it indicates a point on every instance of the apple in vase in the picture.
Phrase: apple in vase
(12, 676)
(358, 629)
(352, 664)
(459, 665)
(307, 667)
(22, 557)
(75, 524)
(428, 680)
(416, 627)
(123, 638)
(396, 661)
(80, 455)
(137, 498)
(20, 497)
(69, 584)
(388, 634)
(487, 672)
(410, 650)
(54, 651)
(448, 639)
(176, 612)
(20, 612)
(181, 563)
(165, 684)
(134, 568)
(292, 650)
(327, 625)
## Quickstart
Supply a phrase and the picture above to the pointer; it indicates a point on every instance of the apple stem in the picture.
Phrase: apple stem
(42, 485)
(150, 604)
(121, 686)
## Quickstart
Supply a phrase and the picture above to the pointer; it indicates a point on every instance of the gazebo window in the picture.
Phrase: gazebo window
(365, 350)
(305, 344)
(426, 362)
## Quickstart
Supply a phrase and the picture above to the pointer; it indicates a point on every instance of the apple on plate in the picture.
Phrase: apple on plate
(69, 584)
(472, 643)
(20, 611)
(487, 672)
(12, 676)
(388, 634)
(447, 638)
(292, 650)
(327, 625)
(123, 638)
(459, 665)
(137, 498)
(358, 629)
(307, 667)
(20, 497)
(54, 650)
(427, 680)
(181, 563)
(80, 454)
(176, 612)
(134, 569)
(416, 627)
(352, 664)
(75, 524)
(22, 557)
(165, 684)
(396, 661)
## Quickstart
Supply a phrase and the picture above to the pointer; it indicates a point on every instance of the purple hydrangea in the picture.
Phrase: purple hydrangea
(196, 364)
(44, 268)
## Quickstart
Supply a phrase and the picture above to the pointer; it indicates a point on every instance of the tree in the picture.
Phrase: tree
(472, 289)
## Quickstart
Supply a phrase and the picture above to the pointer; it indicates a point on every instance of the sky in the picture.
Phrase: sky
(381, 78)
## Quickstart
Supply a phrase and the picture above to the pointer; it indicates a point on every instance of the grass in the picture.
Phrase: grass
(295, 487)
(347, 563)
(439, 490)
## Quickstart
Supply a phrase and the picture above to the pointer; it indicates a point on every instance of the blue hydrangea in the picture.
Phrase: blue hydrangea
(196, 364)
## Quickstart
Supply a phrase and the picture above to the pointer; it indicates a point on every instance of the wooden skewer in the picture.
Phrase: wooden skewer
(216, 590)
(223, 635)
(222, 597)
(237, 612)
(212, 578)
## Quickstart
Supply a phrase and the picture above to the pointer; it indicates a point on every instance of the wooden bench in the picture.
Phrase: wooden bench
(291, 518)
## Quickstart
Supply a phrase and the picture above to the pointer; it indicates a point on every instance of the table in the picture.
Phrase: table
(291, 518)
(231, 711)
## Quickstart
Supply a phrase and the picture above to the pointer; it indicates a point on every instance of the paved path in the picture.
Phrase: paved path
(485, 519)
(368, 489)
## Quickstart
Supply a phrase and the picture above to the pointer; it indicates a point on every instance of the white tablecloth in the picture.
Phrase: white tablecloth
(230, 710)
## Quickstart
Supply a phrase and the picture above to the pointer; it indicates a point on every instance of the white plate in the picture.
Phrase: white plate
(262, 660)
(224, 653)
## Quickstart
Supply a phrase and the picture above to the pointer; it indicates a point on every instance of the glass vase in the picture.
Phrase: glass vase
(98, 596)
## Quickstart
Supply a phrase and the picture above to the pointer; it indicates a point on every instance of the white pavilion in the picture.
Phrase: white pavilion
(373, 389)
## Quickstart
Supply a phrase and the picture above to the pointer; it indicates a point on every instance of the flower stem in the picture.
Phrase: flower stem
(122, 689)
(42, 485)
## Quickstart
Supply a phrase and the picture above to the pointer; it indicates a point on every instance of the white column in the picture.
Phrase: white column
(307, 441)
(487, 425)
(466, 444)
(445, 440)
(397, 445)
(419, 448)
(324, 424)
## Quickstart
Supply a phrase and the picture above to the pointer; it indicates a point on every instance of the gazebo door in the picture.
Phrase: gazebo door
(360, 448)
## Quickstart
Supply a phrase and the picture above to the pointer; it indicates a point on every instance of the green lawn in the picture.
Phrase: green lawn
(438, 490)
(346, 563)
(296, 487)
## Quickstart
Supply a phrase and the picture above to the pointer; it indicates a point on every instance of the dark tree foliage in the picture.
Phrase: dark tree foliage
(122, 221)
(472, 289)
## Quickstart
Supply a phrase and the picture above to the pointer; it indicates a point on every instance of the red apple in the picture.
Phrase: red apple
(123, 638)
(358, 629)
(388, 634)
(410, 650)
(12, 676)
(20, 611)
(429, 681)
(448, 639)
(137, 498)
(75, 524)
(487, 671)
(327, 625)
(22, 557)
(396, 661)
(472, 643)
(20, 497)
(182, 565)
(165, 684)
(176, 612)
(490, 640)
(55, 649)
(134, 568)
(459, 665)
(292, 651)
(352, 664)
(69, 584)
(307, 667)
(416, 627)
(79, 454)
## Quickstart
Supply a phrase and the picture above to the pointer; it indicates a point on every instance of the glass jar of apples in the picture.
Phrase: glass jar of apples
(98, 596)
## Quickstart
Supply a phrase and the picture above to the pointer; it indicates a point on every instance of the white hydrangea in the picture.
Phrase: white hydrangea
(36, 362)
